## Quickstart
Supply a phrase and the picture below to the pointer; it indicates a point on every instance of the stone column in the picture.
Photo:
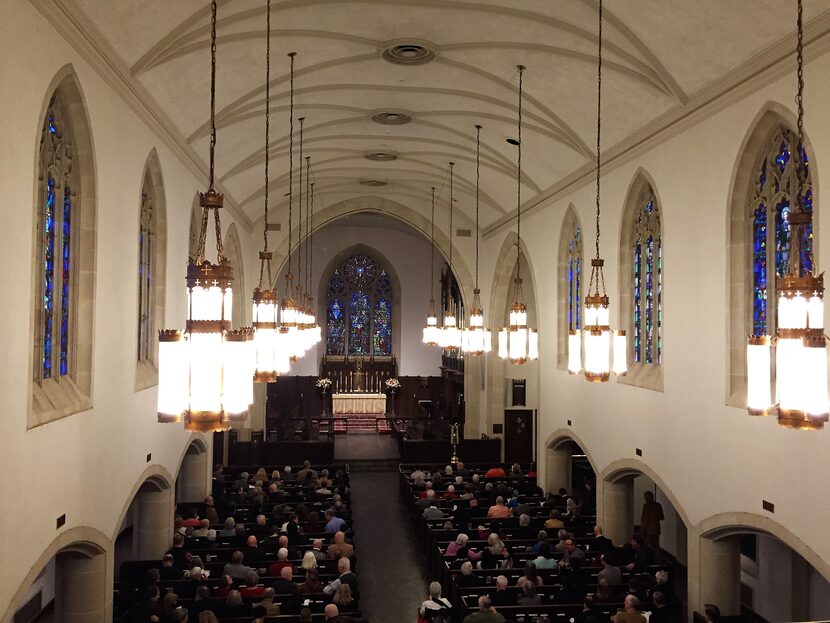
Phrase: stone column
(558, 468)
(617, 516)
(720, 575)
(154, 528)
(193, 477)
(82, 593)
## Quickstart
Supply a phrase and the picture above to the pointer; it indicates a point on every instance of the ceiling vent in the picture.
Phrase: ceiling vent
(409, 51)
(373, 183)
(391, 117)
(381, 156)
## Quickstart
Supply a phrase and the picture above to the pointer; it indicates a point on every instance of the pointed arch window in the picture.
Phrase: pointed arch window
(574, 278)
(146, 272)
(56, 244)
(647, 280)
(359, 308)
(775, 181)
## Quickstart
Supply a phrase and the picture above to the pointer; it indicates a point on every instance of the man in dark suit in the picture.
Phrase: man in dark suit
(643, 555)
(285, 587)
(601, 542)
(253, 553)
(590, 613)
(661, 613)
(501, 596)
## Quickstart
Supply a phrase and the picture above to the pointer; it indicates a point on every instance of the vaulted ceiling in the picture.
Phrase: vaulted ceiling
(658, 57)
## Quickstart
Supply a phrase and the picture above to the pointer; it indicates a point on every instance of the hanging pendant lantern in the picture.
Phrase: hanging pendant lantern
(431, 333)
(605, 350)
(450, 335)
(518, 343)
(801, 395)
(476, 339)
(205, 372)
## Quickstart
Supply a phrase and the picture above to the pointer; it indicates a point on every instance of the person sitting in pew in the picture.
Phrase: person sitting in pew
(225, 586)
(590, 613)
(252, 552)
(524, 531)
(169, 603)
(610, 572)
(417, 474)
(258, 613)
(554, 521)
(313, 525)
(180, 555)
(661, 613)
(149, 609)
(450, 493)
(288, 591)
(563, 535)
(432, 511)
(317, 550)
(461, 543)
(643, 555)
(201, 602)
(542, 539)
(333, 523)
(495, 472)
(206, 616)
(339, 548)
(630, 612)
(436, 609)
(229, 528)
(462, 471)
(601, 542)
(275, 568)
(637, 589)
(529, 596)
(271, 609)
(467, 578)
(252, 587)
(545, 560)
(167, 571)
(571, 553)
(603, 593)
(235, 568)
(530, 575)
(501, 596)
(235, 606)
(312, 583)
(486, 613)
(347, 576)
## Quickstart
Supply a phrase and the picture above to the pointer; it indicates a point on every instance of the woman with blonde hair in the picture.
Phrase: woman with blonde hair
(207, 616)
(342, 596)
(309, 561)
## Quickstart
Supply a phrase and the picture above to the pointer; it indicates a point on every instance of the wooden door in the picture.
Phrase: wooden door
(519, 425)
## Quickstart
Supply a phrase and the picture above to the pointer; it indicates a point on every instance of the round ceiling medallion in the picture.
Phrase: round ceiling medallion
(391, 117)
(374, 183)
(381, 156)
(409, 51)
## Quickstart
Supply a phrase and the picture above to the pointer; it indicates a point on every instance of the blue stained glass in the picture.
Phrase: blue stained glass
(649, 351)
(807, 241)
(66, 244)
(359, 324)
(383, 285)
(578, 298)
(782, 236)
(53, 129)
(382, 334)
(335, 328)
(571, 284)
(783, 156)
(637, 320)
(659, 301)
(48, 275)
(759, 270)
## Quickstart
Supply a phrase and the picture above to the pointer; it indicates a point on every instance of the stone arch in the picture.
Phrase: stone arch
(500, 293)
(233, 251)
(558, 455)
(569, 221)
(769, 118)
(392, 209)
(321, 295)
(80, 543)
(649, 376)
(51, 400)
(193, 473)
(153, 180)
(151, 503)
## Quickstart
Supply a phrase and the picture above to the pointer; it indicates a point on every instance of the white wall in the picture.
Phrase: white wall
(713, 460)
(94, 459)
(408, 254)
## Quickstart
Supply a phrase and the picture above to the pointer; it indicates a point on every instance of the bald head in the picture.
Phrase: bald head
(287, 573)
(252, 541)
(331, 611)
(340, 537)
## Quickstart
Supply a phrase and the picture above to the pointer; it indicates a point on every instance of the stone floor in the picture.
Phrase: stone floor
(391, 568)
(365, 447)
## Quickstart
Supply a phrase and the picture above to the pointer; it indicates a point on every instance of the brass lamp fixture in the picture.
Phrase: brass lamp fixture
(476, 339)
(800, 344)
(271, 355)
(518, 343)
(205, 371)
(598, 338)
(449, 337)
(431, 330)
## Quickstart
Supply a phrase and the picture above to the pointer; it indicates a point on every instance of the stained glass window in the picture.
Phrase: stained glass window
(574, 268)
(773, 190)
(58, 183)
(647, 281)
(359, 308)
(146, 271)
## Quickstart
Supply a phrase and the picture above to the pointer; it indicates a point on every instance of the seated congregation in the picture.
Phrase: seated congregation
(267, 545)
(500, 549)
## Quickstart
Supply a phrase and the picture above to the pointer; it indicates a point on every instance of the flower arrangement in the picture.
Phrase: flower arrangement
(324, 384)
(392, 384)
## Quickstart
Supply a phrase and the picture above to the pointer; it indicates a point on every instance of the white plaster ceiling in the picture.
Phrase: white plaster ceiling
(657, 55)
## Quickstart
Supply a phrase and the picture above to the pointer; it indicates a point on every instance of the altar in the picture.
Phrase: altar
(374, 404)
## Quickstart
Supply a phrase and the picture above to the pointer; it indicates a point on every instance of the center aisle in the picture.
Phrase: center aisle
(393, 581)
